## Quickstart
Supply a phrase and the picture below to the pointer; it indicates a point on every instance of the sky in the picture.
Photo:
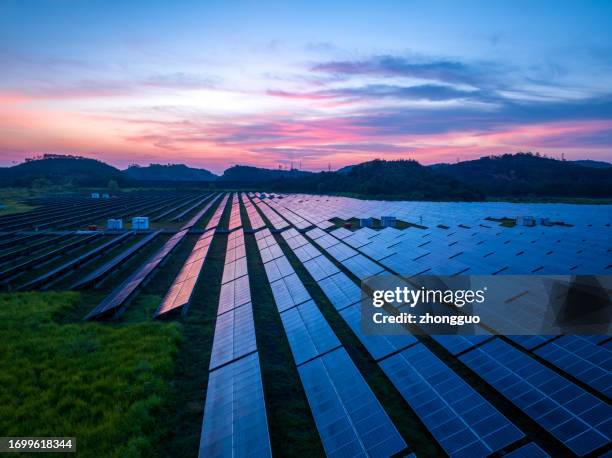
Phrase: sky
(304, 83)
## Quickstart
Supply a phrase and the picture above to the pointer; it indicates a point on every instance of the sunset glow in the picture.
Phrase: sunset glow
(212, 84)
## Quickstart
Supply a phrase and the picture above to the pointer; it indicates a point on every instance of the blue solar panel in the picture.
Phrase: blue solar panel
(578, 419)
(349, 418)
(456, 344)
(584, 360)
(340, 290)
(530, 450)
(530, 342)
(235, 422)
(234, 336)
(461, 420)
(308, 332)
(378, 346)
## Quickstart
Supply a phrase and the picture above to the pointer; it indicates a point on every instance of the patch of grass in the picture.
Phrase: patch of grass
(107, 385)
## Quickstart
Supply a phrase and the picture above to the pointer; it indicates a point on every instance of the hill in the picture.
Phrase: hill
(404, 179)
(526, 174)
(594, 164)
(247, 174)
(170, 172)
(52, 169)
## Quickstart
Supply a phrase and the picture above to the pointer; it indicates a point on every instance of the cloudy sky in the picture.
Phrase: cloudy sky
(216, 83)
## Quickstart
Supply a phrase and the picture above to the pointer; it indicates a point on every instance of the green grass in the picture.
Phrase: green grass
(13, 200)
(107, 385)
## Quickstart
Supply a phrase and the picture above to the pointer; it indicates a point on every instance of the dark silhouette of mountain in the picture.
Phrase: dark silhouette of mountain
(405, 179)
(53, 169)
(594, 164)
(526, 174)
(170, 172)
(247, 174)
(521, 175)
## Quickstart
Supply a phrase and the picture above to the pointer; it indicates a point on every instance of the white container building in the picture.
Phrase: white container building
(140, 223)
(114, 224)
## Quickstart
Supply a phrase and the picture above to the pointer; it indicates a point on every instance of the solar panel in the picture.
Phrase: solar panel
(289, 233)
(530, 450)
(289, 292)
(315, 233)
(340, 290)
(378, 346)
(456, 344)
(576, 418)
(327, 241)
(584, 360)
(349, 418)
(320, 268)
(459, 418)
(234, 294)
(341, 252)
(235, 422)
(308, 333)
(278, 268)
(362, 267)
(306, 252)
(341, 233)
(234, 336)
(530, 342)
(234, 270)
(297, 241)
(74, 263)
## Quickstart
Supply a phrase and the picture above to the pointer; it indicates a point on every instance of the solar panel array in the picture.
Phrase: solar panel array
(437, 250)
(562, 383)
(349, 418)
(459, 418)
(576, 418)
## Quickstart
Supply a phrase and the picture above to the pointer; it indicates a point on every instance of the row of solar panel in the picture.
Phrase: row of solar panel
(235, 422)
(255, 219)
(349, 418)
(235, 220)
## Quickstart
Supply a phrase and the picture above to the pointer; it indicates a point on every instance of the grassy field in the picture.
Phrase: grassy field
(109, 386)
